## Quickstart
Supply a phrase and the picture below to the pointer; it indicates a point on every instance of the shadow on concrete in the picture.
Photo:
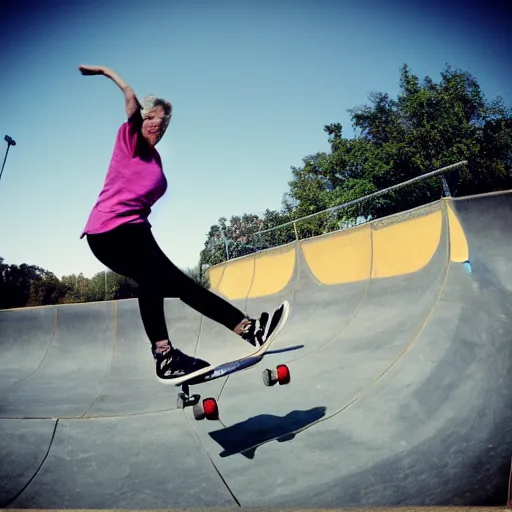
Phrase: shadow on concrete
(282, 350)
(245, 437)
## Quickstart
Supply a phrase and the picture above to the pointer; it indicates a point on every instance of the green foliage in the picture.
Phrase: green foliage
(75, 287)
(433, 125)
(427, 127)
(45, 291)
(236, 238)
(28, 285)
(22, 285)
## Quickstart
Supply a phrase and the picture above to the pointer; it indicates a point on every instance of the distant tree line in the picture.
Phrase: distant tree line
(29, 285)
(427, 126)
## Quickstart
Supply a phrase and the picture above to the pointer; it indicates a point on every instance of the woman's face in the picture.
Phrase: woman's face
(153, 126)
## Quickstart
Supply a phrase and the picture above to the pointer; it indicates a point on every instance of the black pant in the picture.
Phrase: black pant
(131, 250)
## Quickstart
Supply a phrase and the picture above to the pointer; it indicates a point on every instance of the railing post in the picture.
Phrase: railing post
(446, 188)
(295, 230)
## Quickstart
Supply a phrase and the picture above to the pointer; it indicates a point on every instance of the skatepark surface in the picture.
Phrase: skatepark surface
(399, 346)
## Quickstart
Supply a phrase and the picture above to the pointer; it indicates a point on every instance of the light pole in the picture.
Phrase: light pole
(10, 142)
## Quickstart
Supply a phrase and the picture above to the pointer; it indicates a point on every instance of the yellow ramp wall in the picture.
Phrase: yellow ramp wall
(348, 256)
(407, 246)
(273, 271)
(263, 274)
(459, 250)
(342, 257)
(236, 278)
(215, 276)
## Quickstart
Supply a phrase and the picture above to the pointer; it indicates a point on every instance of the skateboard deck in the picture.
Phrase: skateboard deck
(208, 408)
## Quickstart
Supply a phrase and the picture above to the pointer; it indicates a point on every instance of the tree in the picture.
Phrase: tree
(329, 179)
(427, 127)
(46, 291)
(16, 283)
(227, 240)
(75, 287)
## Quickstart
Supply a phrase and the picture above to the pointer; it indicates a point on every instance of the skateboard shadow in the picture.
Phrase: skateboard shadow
(245, 437)
(281, 350)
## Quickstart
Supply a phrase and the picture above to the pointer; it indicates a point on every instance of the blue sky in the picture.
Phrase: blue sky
(252, 84)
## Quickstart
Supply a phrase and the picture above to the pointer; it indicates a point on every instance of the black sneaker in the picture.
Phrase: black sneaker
(174, 363)
(265, 328)
(254, 331)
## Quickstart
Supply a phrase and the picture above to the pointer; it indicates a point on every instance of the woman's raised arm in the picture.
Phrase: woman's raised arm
(132, 104)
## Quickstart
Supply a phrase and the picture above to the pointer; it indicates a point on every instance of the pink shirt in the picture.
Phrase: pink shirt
(134, 182)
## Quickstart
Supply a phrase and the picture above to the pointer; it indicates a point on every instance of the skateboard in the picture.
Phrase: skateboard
(208, 407)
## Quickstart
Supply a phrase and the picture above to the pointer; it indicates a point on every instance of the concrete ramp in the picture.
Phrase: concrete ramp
(400, 396)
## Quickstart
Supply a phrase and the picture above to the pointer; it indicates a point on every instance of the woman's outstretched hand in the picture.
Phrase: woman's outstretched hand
(91, 70)
(131, 102)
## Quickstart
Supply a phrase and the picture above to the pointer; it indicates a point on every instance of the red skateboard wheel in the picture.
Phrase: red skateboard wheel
(210, 408)
(283, 374)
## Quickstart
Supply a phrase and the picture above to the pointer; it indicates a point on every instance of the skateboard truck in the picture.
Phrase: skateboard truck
(206, 408)
(184, 398)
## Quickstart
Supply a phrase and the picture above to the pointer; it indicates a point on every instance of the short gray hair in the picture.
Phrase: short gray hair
(152, 101)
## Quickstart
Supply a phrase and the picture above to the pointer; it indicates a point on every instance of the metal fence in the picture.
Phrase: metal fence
(363, 199)
(292, 230)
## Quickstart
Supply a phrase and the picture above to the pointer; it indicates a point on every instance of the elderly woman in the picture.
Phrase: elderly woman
(119, 235)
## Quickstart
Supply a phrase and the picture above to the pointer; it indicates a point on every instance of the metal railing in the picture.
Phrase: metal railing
(359, 200)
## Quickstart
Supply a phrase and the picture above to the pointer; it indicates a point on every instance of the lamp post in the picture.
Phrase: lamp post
(10, 142)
